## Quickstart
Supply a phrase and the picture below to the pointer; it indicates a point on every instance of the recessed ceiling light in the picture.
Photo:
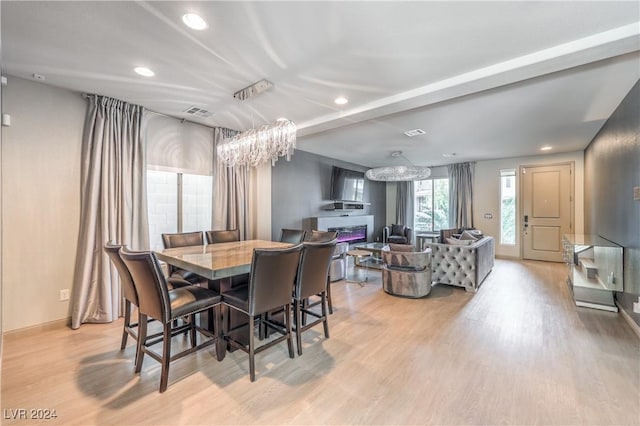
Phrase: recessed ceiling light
(144, 71)
(341, 100)
(453, 154)
(194, 21)
(282, 119)
(546, 148)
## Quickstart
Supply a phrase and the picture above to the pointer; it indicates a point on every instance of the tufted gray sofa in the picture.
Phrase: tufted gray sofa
(463, 266)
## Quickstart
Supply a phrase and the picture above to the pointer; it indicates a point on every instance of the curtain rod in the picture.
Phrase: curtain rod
(182, 120)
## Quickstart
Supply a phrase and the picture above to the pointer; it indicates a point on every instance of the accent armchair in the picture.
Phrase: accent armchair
(405, 272)
(397, 234)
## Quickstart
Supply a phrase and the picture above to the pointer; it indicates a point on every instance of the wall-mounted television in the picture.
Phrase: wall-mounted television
(347, 185)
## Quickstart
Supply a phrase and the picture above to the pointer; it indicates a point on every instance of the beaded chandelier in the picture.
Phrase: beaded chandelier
(398, 173)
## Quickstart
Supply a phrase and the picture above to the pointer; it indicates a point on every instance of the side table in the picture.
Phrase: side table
(363, 256)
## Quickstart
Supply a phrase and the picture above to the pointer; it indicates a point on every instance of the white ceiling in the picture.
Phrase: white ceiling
(483, 79)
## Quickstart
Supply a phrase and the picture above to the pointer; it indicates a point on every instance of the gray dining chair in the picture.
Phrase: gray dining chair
(273, 272)
(223, 236)
(312, 279)
(156, 302)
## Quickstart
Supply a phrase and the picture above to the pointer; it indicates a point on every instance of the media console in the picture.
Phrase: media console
(345, 205)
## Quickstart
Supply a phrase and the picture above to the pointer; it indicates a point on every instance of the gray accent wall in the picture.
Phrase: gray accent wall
(300, 189)
(612, 170)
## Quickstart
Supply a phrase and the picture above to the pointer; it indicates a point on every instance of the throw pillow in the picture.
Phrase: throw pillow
(466, 235)
(457, 242)
(397, 230)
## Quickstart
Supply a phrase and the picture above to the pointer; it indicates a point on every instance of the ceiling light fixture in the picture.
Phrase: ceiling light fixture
(194, 21)
(341, 100)
(144, 71)
(546, 148)
(257, 146)
(398, 173)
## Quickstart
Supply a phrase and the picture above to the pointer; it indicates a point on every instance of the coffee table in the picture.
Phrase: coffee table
(375, 260)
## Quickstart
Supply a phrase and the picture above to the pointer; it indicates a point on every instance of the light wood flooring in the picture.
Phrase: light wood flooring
(516, 352)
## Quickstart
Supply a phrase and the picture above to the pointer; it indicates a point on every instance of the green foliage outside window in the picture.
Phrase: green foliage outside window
(431, 205)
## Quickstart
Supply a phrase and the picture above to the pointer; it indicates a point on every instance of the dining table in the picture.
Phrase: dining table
(222, 264)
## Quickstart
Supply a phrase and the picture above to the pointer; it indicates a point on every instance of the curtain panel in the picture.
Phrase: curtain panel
(404, 204)
(231, 188)
(113, 205)
(461, 195)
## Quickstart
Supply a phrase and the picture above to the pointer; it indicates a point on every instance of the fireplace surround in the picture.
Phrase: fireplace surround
(351, 234)
(348, 223)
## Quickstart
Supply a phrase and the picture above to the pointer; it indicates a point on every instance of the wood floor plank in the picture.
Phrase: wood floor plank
(516, 352)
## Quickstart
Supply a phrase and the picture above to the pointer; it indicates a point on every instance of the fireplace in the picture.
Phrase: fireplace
(351, 234)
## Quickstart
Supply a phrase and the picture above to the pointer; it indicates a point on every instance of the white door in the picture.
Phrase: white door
(547, 201)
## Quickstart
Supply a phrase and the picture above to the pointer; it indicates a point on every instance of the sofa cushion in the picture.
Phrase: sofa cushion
(398, 230)
(457, 242)
(466, 235)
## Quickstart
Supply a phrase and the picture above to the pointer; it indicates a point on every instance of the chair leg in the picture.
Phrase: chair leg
(325, 322)
(127, 323)
(297, 321)
(252, 348)
(166, 357)
(329, 295)
(305, 305)
(221, 343)
(192, 330)
(287, 321)
(142, 338)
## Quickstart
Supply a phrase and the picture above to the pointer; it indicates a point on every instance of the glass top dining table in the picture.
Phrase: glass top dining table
(216, 261)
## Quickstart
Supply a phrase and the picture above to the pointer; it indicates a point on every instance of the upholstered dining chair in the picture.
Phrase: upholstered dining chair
(177, 276)
(293, 236)
(156, 302)
(319, 237)
(312, 280)
(273, 272)
(226, 236)
(129, 291)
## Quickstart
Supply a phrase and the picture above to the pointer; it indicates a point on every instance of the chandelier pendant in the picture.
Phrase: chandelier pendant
(257, 146)
(398, 173)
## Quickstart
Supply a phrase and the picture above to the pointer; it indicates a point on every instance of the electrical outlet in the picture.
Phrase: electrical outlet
(64, 294)
(636, 193)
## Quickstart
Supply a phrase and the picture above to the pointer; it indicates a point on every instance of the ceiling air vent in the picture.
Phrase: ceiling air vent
(198, 112)
(414, 132)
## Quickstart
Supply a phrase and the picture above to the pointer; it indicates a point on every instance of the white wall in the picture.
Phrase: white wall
(41, 200)
(486, 193)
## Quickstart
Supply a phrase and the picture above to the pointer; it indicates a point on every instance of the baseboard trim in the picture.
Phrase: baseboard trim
(38, 328)
(635, 327)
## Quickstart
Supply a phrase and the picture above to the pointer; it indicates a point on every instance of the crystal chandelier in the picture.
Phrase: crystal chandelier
(257, 146)
(398, 173)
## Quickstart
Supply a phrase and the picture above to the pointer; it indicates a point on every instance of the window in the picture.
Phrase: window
(431, 204)
(177, 202)
(508, 207)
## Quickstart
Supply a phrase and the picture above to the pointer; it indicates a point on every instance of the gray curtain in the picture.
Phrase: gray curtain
(461, 195)
(113, 205)
(404, 204)
(230, 191)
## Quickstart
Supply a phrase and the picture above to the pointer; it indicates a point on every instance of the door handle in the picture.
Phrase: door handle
(526, 220)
